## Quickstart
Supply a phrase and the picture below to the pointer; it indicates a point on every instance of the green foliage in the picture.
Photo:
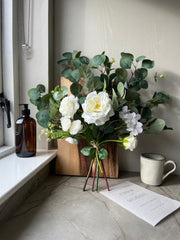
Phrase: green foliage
(140, 58)
(67, 55)
(141, 73)
(120, 89)
(94, 84)
(146, 63)
(41, 88)
(156, 126)
(123, 85)
(43, 118)
(98, 60)
(34, 94)
(86, 150)
(126, 60)
(114, 100)
(121, 74)
(67, 72)
(75, 88)
(102, 153)
(75, 74)
(146, 113)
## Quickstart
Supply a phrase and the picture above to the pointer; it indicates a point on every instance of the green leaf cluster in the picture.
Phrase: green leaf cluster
(91, 152)
(47, 104)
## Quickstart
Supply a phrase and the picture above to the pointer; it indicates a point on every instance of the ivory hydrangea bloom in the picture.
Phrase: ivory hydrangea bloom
(131, 119)
(76, 126)
(65, 123)
(69, 106)
(97, 108)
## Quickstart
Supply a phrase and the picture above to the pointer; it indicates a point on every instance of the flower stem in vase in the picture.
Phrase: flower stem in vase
(97, 177)
(89, 171)
(94, 174)
(105, 176)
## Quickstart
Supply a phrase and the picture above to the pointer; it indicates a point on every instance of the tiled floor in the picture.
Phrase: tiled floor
(60, 210)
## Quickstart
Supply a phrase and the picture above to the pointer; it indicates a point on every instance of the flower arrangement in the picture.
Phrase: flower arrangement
(104, 104)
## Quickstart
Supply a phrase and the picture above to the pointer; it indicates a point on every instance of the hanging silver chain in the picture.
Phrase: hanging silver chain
(26, 45)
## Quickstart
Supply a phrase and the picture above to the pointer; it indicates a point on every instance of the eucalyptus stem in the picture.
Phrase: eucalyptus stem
(98, 162)
(109, 140)
(97, 177)
(84, 188)
(94, 175)
(105, 176)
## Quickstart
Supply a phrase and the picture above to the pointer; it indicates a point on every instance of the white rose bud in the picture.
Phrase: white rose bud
(65, 123)
(69, 106)
(129, 142)
(71, 140)
(76, 126)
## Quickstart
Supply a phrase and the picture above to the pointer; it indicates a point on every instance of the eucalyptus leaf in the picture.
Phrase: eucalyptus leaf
(84, 60)
(53, 112)
(57, 96)
(67, 55)
(75, 74)
(157, 126)
(134, 84)
(43, 118)
(85, 71)
(45, 101)
(141, 73)
(74, 53)
(114, 100)
(140, 58)
(63, 62)
(144, 84)
(81, 100)
(160, 97)
(34, 94)
(112, 76)
(66, 72)
(94, 84)
(72, 79)
(146, 113)
(77, 63)
(120, 89)
(64, 90)
(41, 88)
(75, 88)
(132, 95)
(121, 73)
(98, 60)
(86, 151)
(102, 153)
(36, 102)
(126, 60)
(146, 63)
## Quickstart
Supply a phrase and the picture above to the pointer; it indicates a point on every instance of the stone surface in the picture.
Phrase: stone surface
(59, 209)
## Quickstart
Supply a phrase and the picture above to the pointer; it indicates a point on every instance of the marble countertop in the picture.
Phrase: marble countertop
(60, 210)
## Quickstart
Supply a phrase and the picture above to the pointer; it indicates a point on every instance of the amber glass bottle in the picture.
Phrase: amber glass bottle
(25, 134)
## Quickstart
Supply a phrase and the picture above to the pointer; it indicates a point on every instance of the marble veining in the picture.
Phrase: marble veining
(60, 210)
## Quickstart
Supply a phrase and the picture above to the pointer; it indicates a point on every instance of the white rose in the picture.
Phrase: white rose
(71, 140)
(97, 108)
(65, 123)
(76, 126)
(69, 106)
(130, 142)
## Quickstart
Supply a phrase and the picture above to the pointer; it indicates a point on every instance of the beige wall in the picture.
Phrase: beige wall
(142, 27)
(36, 70)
